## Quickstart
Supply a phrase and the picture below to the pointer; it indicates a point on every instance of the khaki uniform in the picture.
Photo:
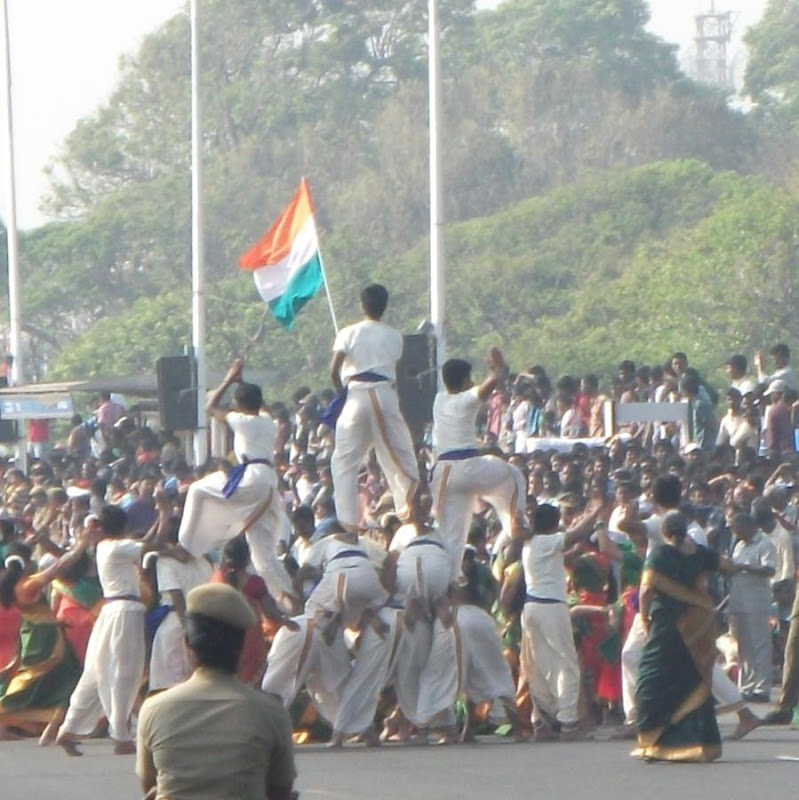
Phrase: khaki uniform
(215, 737)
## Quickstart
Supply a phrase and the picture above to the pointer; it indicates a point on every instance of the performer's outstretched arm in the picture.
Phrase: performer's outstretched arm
(213, 407)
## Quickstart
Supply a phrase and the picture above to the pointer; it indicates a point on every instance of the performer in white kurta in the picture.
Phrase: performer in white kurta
(116, 652)
(220, 506)
(548, 656)
(364, 361)
(461, 474)
(169, 659)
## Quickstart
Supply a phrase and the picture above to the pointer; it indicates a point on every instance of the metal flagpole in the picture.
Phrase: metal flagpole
(437, 288)
(197, 241)
(16, 376)
(327, 291)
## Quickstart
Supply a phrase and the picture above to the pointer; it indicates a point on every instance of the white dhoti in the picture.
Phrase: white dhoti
(292, 656)
(349, 585)
(210, 520)
(169, 659)
(412, 656)
(457, 484)
(549, 662)
(370, 673)
(371, 417)
(485, 674)
(424, 570)
(112, 674)
(631, 654)
(440, 680)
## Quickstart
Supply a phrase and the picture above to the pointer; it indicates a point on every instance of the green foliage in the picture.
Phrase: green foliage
(772, 71)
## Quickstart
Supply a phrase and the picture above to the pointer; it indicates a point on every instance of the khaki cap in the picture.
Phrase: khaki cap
(223, 603)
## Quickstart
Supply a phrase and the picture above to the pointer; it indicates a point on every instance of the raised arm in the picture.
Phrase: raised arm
(497, 371)
(213, 407)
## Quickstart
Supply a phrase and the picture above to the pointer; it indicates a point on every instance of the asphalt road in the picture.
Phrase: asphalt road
(755, 769)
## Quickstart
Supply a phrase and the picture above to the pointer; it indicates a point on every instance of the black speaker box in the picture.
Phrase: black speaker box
(416, 379)
(177, 393)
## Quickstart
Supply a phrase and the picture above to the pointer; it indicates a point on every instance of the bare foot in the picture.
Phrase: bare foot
(48, 735)
(747, 722)
(7, 735)
(370, 738)
(124, 748)
(68, 742)
(336, 741)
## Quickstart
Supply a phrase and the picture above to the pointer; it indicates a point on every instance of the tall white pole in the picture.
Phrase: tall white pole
(437, 286)
(197, 241)
(16, 376)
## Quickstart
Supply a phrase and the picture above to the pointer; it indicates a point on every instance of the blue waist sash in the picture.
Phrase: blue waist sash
(236, 475)
(369, 377)
(334, 408)
(153, 620)
(349, 554)
(459, 455)
(531, 598)
(422, 540)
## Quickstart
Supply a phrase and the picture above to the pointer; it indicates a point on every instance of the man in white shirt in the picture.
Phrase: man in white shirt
(364, 361)
(548, 656)
(461, 474)
(783, 370)
(736, 371)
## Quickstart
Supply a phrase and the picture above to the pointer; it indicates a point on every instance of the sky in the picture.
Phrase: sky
(65, 56)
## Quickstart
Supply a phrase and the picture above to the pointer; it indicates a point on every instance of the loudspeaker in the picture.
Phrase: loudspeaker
(416, 380)
(177, 393)
(8, 431)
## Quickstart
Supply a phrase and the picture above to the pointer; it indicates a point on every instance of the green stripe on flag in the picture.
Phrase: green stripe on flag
(302, 286)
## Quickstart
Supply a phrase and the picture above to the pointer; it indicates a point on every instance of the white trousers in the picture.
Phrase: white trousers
(348, 591)
(169, 659)
(465, 658)
(424, 571)
(112, 673)
(371, 418)
(292, 656)
(753, 634)
(456, 486)
(549, 662)
(210, 520)
(412, 657)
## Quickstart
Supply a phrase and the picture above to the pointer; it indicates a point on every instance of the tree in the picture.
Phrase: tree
(772, 71)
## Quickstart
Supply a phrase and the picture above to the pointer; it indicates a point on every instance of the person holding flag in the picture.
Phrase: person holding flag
(364, 361)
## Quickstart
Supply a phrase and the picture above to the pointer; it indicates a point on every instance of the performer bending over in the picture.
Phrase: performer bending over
(365, 359)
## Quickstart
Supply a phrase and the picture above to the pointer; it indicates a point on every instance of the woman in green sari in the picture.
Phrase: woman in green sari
(35, 687)
(674, 704)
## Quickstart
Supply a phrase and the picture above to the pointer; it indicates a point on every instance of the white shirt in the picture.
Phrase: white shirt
(544, 573)
(118, 566)
(369, 346)
(253, 437)
(179, 576)
(783, 544)
(785, 374)
(455, 420)
(744, 385)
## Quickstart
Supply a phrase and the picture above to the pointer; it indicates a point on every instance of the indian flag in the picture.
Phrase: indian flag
(286, 262)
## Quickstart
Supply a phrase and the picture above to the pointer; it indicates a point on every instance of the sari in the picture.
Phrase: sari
(674, 704)
(45, 670)
(78, 607)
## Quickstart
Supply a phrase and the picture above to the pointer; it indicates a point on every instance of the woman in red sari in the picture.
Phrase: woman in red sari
(233, 571)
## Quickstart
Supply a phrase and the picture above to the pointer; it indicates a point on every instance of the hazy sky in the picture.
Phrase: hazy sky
(65, 57)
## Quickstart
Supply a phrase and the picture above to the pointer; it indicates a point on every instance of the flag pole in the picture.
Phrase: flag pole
(14, 287)
(437, 287)
(327, 292)
(197, 241)
(321, 262)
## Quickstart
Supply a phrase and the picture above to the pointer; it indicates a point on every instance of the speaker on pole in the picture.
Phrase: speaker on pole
(416, 381)
(177, 393)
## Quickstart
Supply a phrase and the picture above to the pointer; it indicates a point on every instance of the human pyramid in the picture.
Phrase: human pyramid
(396, 632)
